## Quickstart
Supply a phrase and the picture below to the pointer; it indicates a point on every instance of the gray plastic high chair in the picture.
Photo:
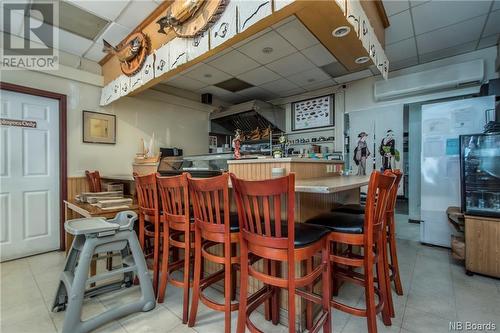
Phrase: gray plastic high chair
(94, 236)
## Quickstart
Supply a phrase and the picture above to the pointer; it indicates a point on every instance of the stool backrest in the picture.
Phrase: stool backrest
(147, 193)
(94, 181)
(260, 204)
(210, 199)
(377, 197)
(174, 198)
(393, 195)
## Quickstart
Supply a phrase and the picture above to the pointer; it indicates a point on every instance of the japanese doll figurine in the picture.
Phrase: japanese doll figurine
(237, 144)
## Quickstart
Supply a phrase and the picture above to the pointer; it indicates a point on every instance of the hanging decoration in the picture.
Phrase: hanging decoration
(132, 54)
(191, 18)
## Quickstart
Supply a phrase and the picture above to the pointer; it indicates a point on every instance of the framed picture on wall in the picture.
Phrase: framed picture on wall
(99, 127)
(313, 113)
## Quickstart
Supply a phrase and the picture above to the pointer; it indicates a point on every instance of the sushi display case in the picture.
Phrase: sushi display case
(480, 174)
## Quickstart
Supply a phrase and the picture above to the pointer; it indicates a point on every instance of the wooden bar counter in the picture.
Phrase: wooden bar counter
(318, 187)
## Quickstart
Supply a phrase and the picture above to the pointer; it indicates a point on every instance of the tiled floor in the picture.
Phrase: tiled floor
(436, 292)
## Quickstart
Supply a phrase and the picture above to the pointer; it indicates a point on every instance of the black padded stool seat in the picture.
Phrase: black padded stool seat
(233, 222)
(339, 222)
(350, 208)
(306, 234)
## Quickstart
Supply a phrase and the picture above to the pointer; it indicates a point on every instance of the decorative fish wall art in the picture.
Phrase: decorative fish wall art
(131, 54)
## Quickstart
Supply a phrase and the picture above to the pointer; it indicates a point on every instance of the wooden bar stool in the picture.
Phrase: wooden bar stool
(392, 256)
(214, 225)
(94, 181)
(177, 229)
(273, 235)
(149, 219)
(368, 232)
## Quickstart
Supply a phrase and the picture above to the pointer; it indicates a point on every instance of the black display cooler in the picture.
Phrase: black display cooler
(480, 174)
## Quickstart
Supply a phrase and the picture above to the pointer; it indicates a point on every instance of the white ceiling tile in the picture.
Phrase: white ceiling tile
(493, 24)
(400, 28)
(401, 50)
(279, 86)
(395, 6)
(291, 64)
(354, 76)
(488, 41)
(72, 43)
(456, 34)
(297, 34)
(319, 55)
(320, 85)
(437, 14)
(185, 82)
(257, 93)
(309, 77)
(280, 48)
(105, 9)
(252, 37)
(95, 52)
(220, 93)
(207, 74)
(448, 52)
(16, 23)
(294, 91)
(234, 63)
(259, 76)
(414, 3)
(395, 65)
(136, 12)
(115, 33)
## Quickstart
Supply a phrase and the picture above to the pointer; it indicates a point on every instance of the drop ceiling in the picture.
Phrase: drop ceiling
(420, 31)
(423, 31)
(84, 23)
(283, 60)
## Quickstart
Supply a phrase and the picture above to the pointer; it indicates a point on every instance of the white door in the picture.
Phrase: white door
(29, 175)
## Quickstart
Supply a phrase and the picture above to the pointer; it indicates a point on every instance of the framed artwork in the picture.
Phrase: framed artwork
(99, 127)
(313, 113)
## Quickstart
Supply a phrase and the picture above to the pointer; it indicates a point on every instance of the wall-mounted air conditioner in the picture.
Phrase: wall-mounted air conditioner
(430, 81)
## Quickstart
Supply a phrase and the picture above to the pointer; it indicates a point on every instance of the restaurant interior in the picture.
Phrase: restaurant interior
(250, 166)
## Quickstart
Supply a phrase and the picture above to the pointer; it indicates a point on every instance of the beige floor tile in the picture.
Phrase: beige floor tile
(156, 320)
(34, 323)
(91, 308)
(417, 321)
(436, 291)
(359, 324)
(440, 306)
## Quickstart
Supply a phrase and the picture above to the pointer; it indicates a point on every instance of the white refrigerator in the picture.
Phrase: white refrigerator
(442, 123)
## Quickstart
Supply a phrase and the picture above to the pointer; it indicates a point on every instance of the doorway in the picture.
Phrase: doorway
(32, 171)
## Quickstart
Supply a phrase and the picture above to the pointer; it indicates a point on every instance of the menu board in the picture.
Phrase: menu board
(313, 113)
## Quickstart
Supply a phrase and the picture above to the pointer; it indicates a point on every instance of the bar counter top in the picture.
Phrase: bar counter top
(332, 184)
(283, 160)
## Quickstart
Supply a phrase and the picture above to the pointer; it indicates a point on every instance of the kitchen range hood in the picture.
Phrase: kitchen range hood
(247, 117)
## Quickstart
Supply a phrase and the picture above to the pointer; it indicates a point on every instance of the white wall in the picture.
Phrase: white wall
(358, 95)
(176, 122)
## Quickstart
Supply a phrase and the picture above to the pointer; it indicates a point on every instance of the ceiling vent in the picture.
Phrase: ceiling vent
(234, 85)
(430, 81)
